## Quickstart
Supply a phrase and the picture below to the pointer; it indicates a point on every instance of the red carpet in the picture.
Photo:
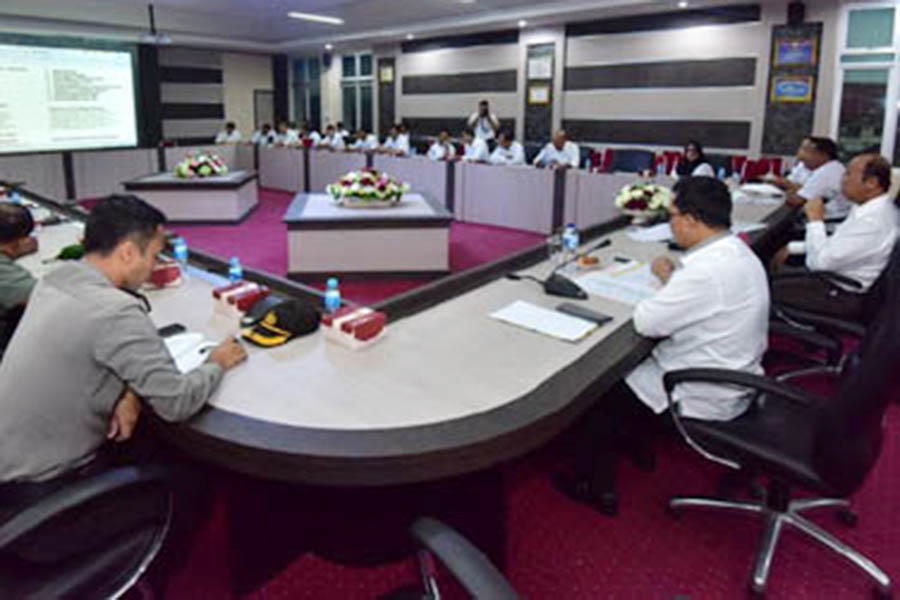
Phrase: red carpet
(261, 242)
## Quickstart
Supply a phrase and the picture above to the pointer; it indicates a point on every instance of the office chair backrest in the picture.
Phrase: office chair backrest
(874, 298)
(632, 161)
(849, 431)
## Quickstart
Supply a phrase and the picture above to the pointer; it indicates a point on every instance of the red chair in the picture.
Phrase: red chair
(737, 164)
(606, 167)
(660, 160)
(672, 160)
(596, 159)
(776, 166)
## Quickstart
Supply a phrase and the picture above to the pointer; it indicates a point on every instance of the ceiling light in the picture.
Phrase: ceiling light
(329, 47)
(410, 36)
(683, 4)
(316, 18)
(522, 23)
(467, 1)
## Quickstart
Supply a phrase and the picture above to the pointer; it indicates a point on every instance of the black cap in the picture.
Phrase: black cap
(286, 321)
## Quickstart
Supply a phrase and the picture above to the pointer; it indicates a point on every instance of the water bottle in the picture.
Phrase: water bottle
(14, 196)
(661, 168)
(332, 295)
(570, 239)
(180, 252)
(235, 271)
(722, 173)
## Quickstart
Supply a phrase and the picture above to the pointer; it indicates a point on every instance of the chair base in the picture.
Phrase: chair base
(776, 520)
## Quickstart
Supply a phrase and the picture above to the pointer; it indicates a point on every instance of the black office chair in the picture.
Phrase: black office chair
(106, 571)
(632, 161)
(796, 438)
(468, 564)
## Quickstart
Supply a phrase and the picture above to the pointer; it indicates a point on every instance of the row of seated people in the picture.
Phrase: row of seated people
(712, 311)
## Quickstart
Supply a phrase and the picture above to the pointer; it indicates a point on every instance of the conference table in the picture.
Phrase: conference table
(448, 391)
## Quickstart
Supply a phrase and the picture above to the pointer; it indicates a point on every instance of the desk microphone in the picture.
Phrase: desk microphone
(559, 285)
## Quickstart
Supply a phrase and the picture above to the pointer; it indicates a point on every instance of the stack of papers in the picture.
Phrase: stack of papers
(543, 320)
(628, 283)
(663, 233)
(758, 193)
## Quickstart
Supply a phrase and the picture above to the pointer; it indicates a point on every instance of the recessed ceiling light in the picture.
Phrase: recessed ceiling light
(317, 18)
(467, 1)
(329, 47)
(522, 23)
(410, 36)
(683, 4)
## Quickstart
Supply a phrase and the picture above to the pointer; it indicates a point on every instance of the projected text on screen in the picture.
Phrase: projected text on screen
(65, 99)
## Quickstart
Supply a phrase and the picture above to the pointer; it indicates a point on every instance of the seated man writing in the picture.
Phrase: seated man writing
(84, 354)
(858, 249)
(712, 312)
(559, 154)
(16, 283)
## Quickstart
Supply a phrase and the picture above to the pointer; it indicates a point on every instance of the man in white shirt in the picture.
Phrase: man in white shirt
(819, 155)
(799, 174)
(858, 249)
(331, 141)
(476, 149)
(263, 136)
(483, 122)
(508, 151)
(308, 134)
(342, 131)
(712, 312)
(442, 148)
(229, 135)
(395, 144)
(364, 141)
(559, 154)
(286, 135)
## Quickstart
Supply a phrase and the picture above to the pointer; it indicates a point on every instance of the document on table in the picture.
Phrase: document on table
(544, 320)
(663, 232)
(628, 283)
(757, 193)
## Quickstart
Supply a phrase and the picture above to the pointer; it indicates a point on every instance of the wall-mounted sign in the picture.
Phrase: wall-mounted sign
(796, 51)
(539, 94)
(386, 74)
(540, 67)
(792, 88)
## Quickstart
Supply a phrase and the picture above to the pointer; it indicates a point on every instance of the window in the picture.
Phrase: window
(357, 96)
(867, 98)
(307, 88)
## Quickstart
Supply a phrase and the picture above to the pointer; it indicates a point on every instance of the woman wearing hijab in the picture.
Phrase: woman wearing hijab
(694, 163)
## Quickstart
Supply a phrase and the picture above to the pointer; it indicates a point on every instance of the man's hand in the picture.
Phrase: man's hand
(228, 354)
(815, 209)
(795, 200)
(125, 417)
(779, 259)
(663, 267)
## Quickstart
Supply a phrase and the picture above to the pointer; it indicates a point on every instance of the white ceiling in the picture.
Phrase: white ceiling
(263, 25)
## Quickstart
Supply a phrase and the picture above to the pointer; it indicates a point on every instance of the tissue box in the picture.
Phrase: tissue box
(166, 273)
(355, 328)
(241, 295)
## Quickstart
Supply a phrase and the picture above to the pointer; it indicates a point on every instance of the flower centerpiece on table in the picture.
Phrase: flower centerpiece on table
(367, 188)
(200, 165)
(645, 202)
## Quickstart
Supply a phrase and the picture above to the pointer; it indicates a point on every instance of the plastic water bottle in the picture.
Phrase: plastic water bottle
(332, 295)
(180, 251)
(661, 168)
(235, 271)
(14, 196)
(571, 241)
(722, 173)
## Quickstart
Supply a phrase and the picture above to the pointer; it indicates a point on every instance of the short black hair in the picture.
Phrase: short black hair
(825, 145)
(706, 199)
(507, 134)
(878, 167)
(117, 218)
(482, 102)
(230, 124)
(16, 222)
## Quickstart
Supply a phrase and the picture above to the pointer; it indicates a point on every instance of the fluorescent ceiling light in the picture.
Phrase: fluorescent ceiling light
(410, 36)
(523, 23)
(683, 4)
(316, 18)
(329, 47)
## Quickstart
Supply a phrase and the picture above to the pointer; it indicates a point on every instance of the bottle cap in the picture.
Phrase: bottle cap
(332, 282)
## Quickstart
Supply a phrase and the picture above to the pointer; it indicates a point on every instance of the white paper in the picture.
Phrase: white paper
(188, 350)
(761, 189)
(628, 283)
(655, 233)
(546, 321)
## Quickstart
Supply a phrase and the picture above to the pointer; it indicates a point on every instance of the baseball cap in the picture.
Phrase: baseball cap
(282, 323)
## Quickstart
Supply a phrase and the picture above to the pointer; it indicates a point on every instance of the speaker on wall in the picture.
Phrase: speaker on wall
(796, 13)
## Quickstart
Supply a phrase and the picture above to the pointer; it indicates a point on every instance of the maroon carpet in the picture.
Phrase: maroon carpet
(261, 242)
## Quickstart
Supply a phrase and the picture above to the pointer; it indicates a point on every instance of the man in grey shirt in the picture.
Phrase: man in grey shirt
(85, 351)
(16, 283)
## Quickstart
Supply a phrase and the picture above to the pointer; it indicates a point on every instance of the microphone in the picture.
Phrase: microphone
(559, 285)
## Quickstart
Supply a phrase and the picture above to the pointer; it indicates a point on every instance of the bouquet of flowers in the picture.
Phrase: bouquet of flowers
(645, 201)
(201, 164)
(367, 188)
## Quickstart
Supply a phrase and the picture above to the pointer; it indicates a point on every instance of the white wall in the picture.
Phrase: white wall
(241, 74)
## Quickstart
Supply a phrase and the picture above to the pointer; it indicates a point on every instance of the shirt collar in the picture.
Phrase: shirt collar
(700, 248)
(873, 205)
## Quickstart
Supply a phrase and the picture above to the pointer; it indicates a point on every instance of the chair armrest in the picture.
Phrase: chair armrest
(828, 277)
(467, 563)
(76, 494)
(759, 383)
(818, 321)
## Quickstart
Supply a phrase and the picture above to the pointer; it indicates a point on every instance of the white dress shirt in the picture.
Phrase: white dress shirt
(438, 151)
(860, 246)
(713, 313)
(289, 137)
(224, 137)
(825, 182)
(343, 133)
(483, 126)
(799, 174)
(514, 155)
(397, 145)
(259, 137)
(315, 137)
(477, 151)
(703, 170)
(333, 141)
(569, 155)
(370, 143)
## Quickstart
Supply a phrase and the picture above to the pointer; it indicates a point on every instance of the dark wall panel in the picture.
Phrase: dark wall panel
(723, 72)
(489, 38)
(150, 115)
(722, 15)
(193, 111)
(432, 126)
(190, 75)
(717, 134)
(280, 86)
(387, 112)
(461, 83)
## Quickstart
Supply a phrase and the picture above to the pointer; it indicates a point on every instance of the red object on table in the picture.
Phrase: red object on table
(165, 273)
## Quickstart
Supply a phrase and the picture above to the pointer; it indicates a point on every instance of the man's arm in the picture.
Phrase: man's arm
(824, 253)
(471, 120)
(518, 156)
(494, 121)
(539, 159)
(574, 155)
(689, 297)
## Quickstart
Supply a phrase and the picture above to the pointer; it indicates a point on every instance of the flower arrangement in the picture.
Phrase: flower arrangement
(201, 164)
(367, 188)
(644, 200)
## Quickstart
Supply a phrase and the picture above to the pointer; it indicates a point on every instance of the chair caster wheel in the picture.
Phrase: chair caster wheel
(847, 517)
(880, 594)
